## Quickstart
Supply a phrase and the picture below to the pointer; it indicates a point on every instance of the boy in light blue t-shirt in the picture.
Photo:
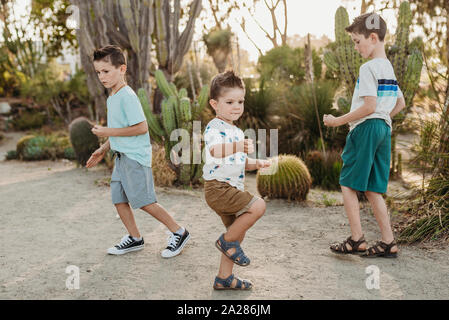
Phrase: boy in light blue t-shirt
(366, 157)
(132, 179)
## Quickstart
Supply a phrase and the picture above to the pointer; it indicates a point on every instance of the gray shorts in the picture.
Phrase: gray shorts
(132, 182)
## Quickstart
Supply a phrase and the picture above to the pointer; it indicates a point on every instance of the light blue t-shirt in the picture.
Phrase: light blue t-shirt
(125, 110)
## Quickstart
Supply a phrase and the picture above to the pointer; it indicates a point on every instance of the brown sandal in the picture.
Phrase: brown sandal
(341, 248)
(374, 251)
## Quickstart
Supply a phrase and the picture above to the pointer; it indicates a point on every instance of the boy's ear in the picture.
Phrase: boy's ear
(213, 103)
(123, 68)
(374, 37)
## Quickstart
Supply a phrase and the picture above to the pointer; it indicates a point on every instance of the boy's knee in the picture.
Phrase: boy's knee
(371, 194)
(259, 207)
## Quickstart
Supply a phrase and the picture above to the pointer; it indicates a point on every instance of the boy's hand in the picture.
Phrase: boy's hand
(330, 121)
(100, 131)
(262, 164)
(248, 146)
(96, 157)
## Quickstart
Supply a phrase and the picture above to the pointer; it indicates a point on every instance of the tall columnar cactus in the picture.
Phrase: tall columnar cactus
(407, 63)
(290, 181)
(344, 59)
(177, 112)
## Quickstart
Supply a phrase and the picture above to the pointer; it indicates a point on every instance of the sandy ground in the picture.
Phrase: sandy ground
(55, 215)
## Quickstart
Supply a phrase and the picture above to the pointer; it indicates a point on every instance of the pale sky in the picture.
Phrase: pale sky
(316, 17)
(304, 16)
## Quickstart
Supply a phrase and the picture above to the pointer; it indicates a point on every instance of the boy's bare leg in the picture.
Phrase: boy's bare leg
(237, 231)
(158, 212)
(351, 203)
(245, 221)
(127, 216)
(226, 265)
(383, 219)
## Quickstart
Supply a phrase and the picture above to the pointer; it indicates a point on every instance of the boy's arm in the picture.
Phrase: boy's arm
(368, 107)
(105, 147)
(134, 130)
(400, 104)
(223, 150)
(254, 164)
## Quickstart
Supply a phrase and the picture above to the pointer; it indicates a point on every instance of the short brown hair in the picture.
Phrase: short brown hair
(226, 79)
(112, 54)
(364, 25)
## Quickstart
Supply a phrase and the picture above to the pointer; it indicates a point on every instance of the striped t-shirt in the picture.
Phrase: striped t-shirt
(376, 79)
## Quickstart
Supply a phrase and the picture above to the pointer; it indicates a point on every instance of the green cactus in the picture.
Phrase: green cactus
(156, 132)
(183, 93)
(168, 116)
(186, 109)
(177, 112)
(163, 84)
(344, 59)
(291, 181)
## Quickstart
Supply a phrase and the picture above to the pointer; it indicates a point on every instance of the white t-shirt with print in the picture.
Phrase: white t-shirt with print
(230, 169)
(376, 79)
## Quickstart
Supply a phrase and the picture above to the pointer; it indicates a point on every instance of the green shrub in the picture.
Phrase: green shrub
(325, 170)
(22, 143)
(11, 155)
(299, 131)
(44, 147)
(257, 105)
(29, 120)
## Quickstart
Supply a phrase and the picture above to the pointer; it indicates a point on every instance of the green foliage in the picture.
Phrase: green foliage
(11, 155)
(177, 112)
(42, 147)
(282, 63)
(299, 131)
(49, 89)
(257, 105)
(218, 40)
(29, 120)
(290, 181)
(84, 142)
(325, 170)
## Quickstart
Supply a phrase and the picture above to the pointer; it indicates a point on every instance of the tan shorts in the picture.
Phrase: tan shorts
(227, 201)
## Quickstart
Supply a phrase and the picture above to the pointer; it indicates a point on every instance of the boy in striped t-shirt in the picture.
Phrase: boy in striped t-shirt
(366, 157)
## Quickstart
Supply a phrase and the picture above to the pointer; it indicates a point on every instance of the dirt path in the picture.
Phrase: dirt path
(54, 215)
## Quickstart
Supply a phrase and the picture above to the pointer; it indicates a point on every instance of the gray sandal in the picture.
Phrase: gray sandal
(238, 257)
(226, 284)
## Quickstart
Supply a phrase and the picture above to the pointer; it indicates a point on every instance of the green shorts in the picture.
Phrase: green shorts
(366, 157)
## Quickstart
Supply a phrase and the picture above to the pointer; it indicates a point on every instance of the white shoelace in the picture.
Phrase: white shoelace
(172, 240)
(124, 242)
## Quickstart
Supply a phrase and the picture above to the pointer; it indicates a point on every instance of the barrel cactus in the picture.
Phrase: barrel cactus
(290, 179)
(177, 112)
(84, 142)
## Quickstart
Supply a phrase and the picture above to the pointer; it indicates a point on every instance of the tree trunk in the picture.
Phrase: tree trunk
(126, 23)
